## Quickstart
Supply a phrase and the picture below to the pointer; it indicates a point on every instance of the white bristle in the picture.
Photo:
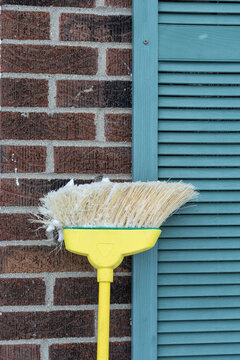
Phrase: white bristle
(108, 204)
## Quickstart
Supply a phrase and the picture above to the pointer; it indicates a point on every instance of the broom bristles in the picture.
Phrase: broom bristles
(107, 204)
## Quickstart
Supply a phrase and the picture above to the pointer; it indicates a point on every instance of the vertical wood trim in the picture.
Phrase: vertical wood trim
(145, 167)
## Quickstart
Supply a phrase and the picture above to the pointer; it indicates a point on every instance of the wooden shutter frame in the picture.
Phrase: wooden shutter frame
(145, 168)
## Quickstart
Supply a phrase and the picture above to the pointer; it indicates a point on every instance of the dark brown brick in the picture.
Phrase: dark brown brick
(39, 325)
(81, 291)
(73, 351)
(27, 191)
(70, 3)
(83, 27)
(119, 3)
(120, 323)
(36, 259)
(119, 62)
(21, 159)
(40, 126)
(19, 227)
(118, 127)
(117, 351)
(24, 92)
(20, 352)
(120, 350)
(22, 292)
(107, 160)
(49, 59)
(82, 93)
(20, 25)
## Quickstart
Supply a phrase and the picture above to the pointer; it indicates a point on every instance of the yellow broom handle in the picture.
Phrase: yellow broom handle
(105, 277)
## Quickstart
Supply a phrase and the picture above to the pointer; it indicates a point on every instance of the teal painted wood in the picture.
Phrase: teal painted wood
(144, 157)
(196, 42)
(199, 139)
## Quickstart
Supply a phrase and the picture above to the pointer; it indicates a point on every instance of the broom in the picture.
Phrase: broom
(106, 221)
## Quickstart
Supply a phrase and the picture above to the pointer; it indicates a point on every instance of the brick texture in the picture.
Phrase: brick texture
(119, 62)
(22, 292)
(49, 59)
(108, 160)
(117, 351)
(36, 259)
(39, 325)
(119, 3)
(118, 127)
(81, 124)
(19, 227)
(84, 93)
(80, 291)
(65, 3)
(26, 192)
(24, 92)
(120, 323)
(20, 352)
(21, 159)
(82, 27)
(20, 25)
(39, 126)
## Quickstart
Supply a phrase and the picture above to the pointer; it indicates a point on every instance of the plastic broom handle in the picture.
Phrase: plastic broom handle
(103, 320)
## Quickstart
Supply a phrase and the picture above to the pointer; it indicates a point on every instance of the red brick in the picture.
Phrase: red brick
(90, 160)
(66, 3)
(19, 227)
(49, 59)
(119, 61)
(21, 159)
(20, 25)
(27, 191)
(36, 259)
(117, 351)
(119, 3)
(20, 352)
(84, 27)
(84, 93)
(40, 126)
(39, 325)
(22, 292)
(81, 291)
(118, 127)
(120, 323)
(24, 92)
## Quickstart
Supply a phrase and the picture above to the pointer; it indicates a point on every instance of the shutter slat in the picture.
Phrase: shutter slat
(199, 161)
(198, 267)
(201, 231)
(199, 338)
(204, 220)
(199, 67)
(200, 255)
(198, 102)
(198, 7)
(194, 173)
(198, 19)
(222, 302)
(199, 314)
(200, 149)
(201, 137)
(199, 114)
(198, 79)
(201, 279)
(203, 90)
(199, 243)
(199, 350)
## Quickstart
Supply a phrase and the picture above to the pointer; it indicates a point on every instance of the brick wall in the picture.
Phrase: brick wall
(66, 113)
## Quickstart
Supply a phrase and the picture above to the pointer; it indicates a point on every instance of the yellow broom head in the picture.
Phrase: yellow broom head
(111, 204)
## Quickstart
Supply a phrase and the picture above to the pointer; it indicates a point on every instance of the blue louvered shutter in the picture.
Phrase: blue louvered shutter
(198, 257)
